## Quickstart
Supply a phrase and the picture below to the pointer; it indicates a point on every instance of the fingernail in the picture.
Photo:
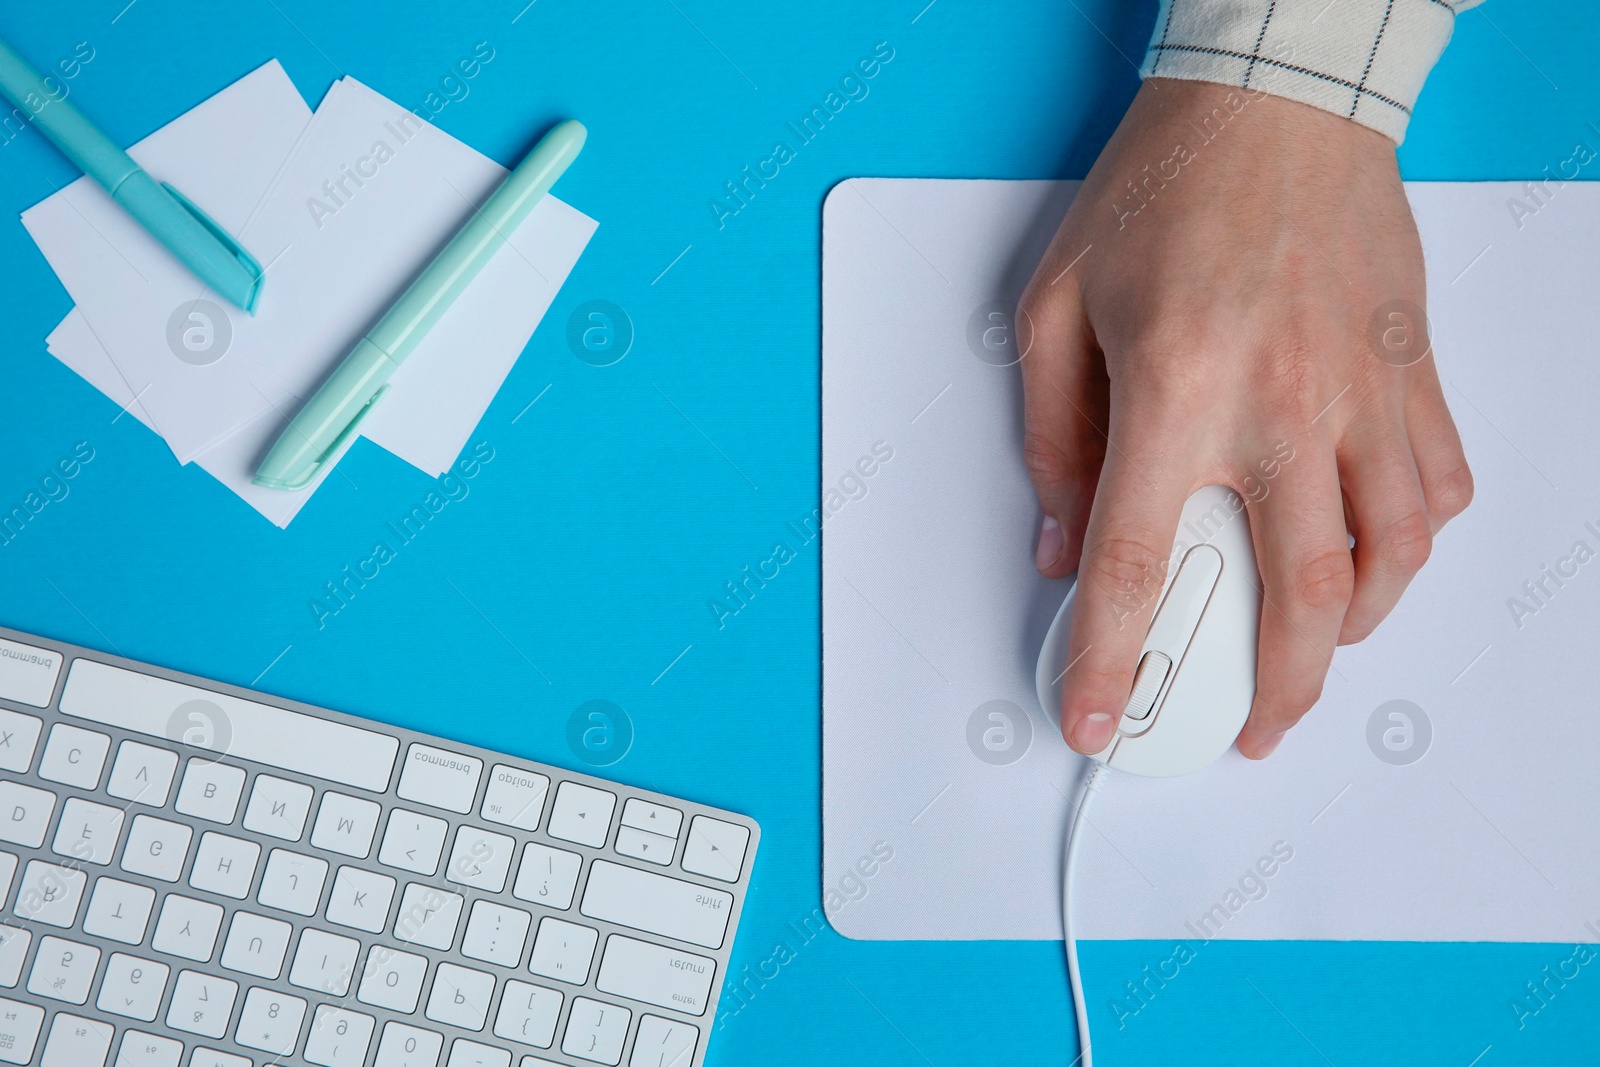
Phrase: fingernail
(1093, 733)
(1269, 746)
(1050, 541)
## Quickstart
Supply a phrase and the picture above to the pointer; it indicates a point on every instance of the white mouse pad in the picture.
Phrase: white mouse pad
(1445, 788)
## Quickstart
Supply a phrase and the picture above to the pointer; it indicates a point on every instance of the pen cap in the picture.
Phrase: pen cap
(202, 246)
(450, 272)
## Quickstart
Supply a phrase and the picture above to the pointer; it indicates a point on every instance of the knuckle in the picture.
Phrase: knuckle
(1094, 685)
(1449, 493)
(1294, 381)
(1048, 463)
(1407, 543)
(1323, 580)
(1127, 572)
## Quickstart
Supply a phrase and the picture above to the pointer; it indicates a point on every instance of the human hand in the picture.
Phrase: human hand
(1235, 297)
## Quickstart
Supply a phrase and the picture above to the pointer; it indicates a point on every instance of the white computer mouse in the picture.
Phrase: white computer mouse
(1196, 676)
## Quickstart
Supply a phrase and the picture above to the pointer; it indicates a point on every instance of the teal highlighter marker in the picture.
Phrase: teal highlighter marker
(199, 244)
(330, 419)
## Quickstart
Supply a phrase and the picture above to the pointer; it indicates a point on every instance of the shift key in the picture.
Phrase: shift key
(657, 904)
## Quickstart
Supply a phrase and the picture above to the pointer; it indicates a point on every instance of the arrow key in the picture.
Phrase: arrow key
(645, 846)
(654, 818)
(581, 814)
(715, 848)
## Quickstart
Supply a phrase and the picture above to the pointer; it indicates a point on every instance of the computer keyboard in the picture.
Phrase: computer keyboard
(195, 875)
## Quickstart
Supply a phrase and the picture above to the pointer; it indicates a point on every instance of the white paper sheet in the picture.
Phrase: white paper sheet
(932, 609)
(340, 247)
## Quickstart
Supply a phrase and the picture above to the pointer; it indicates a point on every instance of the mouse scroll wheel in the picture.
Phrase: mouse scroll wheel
(1147, 682)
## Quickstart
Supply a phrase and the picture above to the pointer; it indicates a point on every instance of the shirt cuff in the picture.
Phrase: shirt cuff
(1363, 59)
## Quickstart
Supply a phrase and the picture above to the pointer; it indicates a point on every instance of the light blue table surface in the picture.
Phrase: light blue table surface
(580, 562)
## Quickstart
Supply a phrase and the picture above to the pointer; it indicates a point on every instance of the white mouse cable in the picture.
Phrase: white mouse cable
(1098, 773)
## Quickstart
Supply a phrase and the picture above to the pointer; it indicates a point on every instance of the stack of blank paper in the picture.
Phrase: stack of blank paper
(343, 207)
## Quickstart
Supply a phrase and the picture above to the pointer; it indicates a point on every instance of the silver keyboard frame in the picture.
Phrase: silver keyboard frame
(388, 800)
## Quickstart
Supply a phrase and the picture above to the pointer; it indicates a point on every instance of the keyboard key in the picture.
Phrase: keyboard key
(277, 807)
(427, 916)
(547, 876)
(663, 1043)
(132, 987)
(645, 846)
(256, 945)
(338, 1038)
(74, 756)
(14, 943)
(224, 865)
(392, 979)
(515, 797)
(8, 871)
(140, 1049)
(119, 910)
(19, 735)
(528, 1014)
(657, 904)
(187, 928)
(464, 1053)
(19, 1030)
(652, 819)
(50, 894)
(595, 1031)
(581, 814)
(496, 934)
(63, 970)
(408, 1046)
(156, 848)
(715, 848)
(345, 825)
(210, 790)
(270, 1021)
(460, 997)
(77, 1042)
(360, 899)
(481, 859)
(656, 975)
(563, 950)
(292, 882)
(28, 676)
(210, 1057)
(413, 842)
(24, 814)
(201, 1004)
(291, 740)
(444, 779)
(324, 962)
(87, 832)
(142, 773)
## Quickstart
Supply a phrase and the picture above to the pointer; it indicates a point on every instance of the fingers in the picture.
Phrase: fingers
(1392, 529)
(1436, 445)
(1308, 578)
(1124, 564)
(1065, 413)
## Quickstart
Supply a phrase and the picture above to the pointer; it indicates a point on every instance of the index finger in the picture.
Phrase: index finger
(1125, 558)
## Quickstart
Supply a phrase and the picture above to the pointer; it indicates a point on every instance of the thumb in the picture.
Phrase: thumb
(1066, 408)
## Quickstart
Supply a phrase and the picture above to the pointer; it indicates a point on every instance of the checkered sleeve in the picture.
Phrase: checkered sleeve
(1363, 59)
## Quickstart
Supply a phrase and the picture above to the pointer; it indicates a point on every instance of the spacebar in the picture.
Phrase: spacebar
(282, 738)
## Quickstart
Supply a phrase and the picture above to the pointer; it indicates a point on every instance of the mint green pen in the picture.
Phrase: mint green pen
(331, 418)
(197, 242)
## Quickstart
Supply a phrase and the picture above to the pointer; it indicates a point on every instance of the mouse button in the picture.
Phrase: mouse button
(1174, 624)
(1147, 683)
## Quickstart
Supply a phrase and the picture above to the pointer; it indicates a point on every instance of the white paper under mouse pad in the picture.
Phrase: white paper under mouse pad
(1469, 812)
